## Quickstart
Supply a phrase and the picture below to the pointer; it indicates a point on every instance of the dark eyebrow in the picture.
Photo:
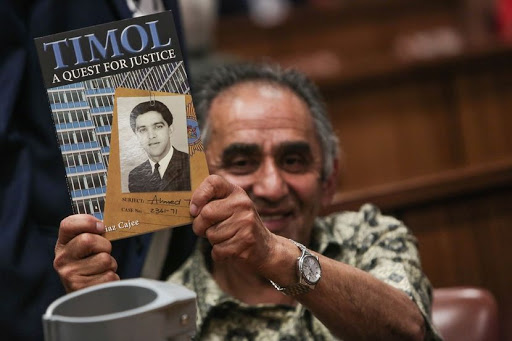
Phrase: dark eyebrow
(239, 149)
(159, 122)
(236, 149)
(294, 147)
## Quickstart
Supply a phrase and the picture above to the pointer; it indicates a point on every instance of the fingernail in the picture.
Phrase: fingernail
(193, 210)
(100, 226)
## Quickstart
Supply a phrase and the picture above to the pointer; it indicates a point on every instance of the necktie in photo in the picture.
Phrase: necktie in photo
(155, 178)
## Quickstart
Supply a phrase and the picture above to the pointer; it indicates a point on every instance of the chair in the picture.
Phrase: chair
(465, 313)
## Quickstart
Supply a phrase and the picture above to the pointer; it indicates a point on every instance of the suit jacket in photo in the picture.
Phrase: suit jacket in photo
(176, 176)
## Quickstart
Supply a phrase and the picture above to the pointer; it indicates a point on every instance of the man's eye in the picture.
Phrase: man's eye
(159, 126)
(294, 163)
(141, 130)
(241, 165)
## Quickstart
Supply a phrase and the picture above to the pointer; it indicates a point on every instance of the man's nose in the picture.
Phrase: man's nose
(151, 133)
(269, 182)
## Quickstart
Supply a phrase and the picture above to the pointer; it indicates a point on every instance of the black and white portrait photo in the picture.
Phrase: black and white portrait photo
(153, 144)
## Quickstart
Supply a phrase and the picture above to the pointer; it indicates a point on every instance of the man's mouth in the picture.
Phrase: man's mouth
(276, 222)
(266, 217)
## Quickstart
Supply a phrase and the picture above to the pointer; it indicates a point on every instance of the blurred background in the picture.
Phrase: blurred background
(420, 93)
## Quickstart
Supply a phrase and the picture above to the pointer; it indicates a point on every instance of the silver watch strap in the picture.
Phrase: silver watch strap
(301, 247)
(293, 290)
(297, 288)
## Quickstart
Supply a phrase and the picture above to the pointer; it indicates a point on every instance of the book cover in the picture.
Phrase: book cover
(121, 105)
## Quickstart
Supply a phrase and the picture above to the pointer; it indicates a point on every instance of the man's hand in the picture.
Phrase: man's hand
(82, 255)
(227, 217)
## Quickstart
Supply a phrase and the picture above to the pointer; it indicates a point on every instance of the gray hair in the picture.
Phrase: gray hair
(226, 76)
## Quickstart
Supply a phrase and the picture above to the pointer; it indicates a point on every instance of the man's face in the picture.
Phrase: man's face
(263, 140)
(154, 134)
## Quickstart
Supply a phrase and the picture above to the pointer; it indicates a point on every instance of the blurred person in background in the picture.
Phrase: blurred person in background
(33, 192)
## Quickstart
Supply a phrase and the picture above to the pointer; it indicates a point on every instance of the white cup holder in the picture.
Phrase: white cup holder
(104, 301)
(136, 309)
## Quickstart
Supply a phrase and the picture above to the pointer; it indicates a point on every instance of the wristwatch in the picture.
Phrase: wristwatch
(308, 271)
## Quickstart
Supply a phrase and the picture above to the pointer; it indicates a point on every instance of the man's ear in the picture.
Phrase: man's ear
(171, 129)
(329, 185)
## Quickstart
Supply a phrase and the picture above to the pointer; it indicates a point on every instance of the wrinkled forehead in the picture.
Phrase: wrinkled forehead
(261, 114)
(259, 105)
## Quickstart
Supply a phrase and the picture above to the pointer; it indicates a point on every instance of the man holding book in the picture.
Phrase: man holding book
(268, 267)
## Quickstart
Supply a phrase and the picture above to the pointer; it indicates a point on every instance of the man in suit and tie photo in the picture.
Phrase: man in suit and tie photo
(167, 168)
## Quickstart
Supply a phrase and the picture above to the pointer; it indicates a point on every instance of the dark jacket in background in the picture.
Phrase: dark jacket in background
(33, 194)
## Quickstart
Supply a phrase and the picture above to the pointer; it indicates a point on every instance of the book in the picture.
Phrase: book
(120, 101)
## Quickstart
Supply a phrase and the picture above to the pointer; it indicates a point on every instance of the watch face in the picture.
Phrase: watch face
(311, 269)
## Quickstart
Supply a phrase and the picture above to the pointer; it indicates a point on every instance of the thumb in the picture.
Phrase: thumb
(76, 224)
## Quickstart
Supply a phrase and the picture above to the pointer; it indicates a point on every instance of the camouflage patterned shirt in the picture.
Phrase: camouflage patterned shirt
(378, 244)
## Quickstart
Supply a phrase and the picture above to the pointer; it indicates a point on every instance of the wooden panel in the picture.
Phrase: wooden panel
(396, 132)
(484, 104)
(361, 41)
(420, 190)
(466, 241)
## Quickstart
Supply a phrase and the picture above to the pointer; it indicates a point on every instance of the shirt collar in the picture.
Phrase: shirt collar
(163, 162)
(322, 236)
